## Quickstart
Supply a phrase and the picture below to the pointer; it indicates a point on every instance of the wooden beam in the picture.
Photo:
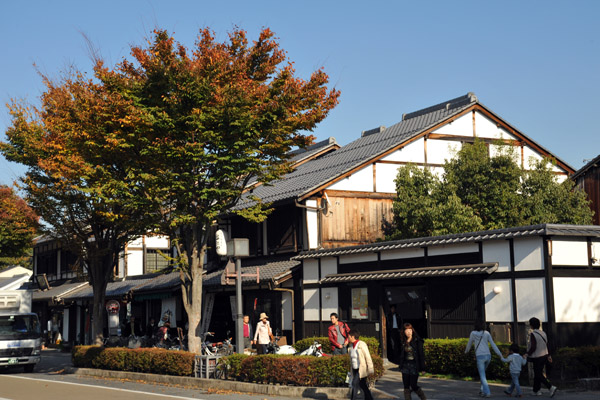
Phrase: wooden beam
(374, 177)
(474, 131)
(471, 139)
(409, 162)
(360, 195)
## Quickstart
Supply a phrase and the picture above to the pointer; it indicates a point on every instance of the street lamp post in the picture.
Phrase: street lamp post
(238, 248)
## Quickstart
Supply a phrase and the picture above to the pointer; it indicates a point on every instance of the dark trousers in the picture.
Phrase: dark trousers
(362, 384)
(538, 373)
(410, 381)
(261, 349)
(394, 345)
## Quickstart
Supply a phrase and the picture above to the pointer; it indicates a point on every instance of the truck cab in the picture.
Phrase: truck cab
(20, 333)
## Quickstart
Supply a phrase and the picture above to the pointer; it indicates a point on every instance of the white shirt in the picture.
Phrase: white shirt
(354, 356)
(262, 334)
(480, 340)
(394, 322)
(516, 362)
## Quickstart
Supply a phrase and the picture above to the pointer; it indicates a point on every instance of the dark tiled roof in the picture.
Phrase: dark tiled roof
(506, 233)
(269, 268)
(314, 174)
(594, 163)
(58, 290)
(424, 272)
(303, 154)
(113, 289)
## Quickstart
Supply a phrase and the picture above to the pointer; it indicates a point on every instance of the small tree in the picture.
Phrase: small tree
(480, 192)
(221, 115)
(18, 226)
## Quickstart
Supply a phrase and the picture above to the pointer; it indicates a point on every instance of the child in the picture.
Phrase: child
(516, 363)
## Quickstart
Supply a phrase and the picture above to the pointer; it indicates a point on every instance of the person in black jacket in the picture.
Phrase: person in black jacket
(411, 360)
(394, 326)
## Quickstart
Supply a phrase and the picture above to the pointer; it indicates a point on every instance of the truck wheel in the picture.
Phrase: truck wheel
(29, 367)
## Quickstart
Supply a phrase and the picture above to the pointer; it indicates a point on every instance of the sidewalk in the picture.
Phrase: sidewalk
(390, 386)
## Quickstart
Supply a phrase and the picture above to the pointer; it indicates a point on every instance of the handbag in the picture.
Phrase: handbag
(349, 378)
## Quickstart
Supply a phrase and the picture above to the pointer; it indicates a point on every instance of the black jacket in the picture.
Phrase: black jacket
(417, 344)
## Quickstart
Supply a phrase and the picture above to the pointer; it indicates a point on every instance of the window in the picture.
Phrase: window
(155, 261)
(360, 303)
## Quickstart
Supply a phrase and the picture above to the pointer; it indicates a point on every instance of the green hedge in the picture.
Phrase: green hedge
(447, 357)
(304, 344)
(293, 370)
(156, 361)
(571, 363)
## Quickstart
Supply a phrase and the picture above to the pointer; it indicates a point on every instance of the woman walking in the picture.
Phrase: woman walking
(411, 361)
(480, 338)
(361, 364)
(537, 353)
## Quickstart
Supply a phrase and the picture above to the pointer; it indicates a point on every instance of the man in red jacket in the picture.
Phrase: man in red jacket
(338, 335)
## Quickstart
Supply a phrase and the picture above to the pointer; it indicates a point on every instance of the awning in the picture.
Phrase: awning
(424, 272)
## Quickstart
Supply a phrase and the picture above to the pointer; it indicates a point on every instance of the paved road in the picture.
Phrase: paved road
(48, 382)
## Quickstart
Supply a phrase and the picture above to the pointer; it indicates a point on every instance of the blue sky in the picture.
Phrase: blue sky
(535, 63)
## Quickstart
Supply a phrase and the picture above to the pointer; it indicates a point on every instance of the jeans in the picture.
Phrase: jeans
(482, 364)
(514, 384)
(338, 352)
(360, 383)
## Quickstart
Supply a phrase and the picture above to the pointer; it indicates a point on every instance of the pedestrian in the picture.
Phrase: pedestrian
(247, 332)
(480, 338)
(394, 326)
(151, 328)
(516, 362)
(263, 334)
(338, 335)
(361, 364)
(538, 354)
(411, 360)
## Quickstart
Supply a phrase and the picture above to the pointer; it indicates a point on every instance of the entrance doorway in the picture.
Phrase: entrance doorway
(410, 302)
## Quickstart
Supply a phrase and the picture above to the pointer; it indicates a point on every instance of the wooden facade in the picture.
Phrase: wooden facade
(588, 179)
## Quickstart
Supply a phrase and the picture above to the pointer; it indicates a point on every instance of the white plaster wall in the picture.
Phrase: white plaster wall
(569, 252)
(328, 266)
(577, 299)
(357, 258)
(531, 299)
(135, 262)
(412, 152)
(360, 181)
(453, 249)
(529, 254)
(486, 128)
(403, 253)
(157, 242)
(437, 171)
(596, 253)
(169, 304)
(496, 150)
(311, 304)
(529, 155)
(498, 307)
(462, 126)
(440, 150)
(329, 305)
(384, 177)
(497, 251)
(310, 270)
(312, 225)
(136, 243)
(286, 310)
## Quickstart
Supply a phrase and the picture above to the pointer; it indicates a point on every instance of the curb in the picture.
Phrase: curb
(217, 384)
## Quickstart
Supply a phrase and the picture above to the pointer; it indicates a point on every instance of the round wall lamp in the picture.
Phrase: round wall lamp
(497, 289)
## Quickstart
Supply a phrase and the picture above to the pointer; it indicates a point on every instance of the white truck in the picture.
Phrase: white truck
(20, 334)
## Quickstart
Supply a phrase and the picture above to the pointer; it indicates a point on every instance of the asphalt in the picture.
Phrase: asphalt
(388, 387)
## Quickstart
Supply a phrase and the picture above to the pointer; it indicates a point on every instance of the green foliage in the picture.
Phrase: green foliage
(572, 363)
(480, 192)
(156, 361)
(303, 344)
(298, 370)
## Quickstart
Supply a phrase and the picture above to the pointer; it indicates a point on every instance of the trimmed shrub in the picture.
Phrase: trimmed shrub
(571, 363)
(156, 361)
(295, 370)
(304, 344)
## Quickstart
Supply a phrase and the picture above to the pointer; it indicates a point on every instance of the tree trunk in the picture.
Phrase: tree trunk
(99, 274)
(193, 250)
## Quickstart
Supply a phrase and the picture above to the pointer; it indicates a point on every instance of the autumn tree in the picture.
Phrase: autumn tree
(81, 146)
(222, 114)
(18, 226)
(480, 192)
